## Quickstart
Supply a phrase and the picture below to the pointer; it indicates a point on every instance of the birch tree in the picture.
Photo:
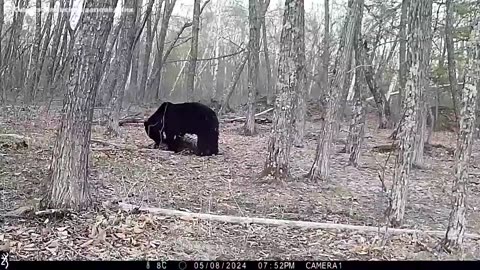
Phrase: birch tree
(67, 185)
(457, 221)
(290, 66)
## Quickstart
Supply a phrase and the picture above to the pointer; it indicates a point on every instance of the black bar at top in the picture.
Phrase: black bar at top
(241, 265)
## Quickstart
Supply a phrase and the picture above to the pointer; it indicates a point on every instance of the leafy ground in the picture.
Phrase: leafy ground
(224, 184)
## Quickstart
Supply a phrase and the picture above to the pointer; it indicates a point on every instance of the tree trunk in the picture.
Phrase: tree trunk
(291, 66)
(192, 58)
(383, 107)
(228, 92)
(47, 35)
(457, 220)
(263, 27)
(300, 105)
(418, 20)
(144, 92)
(253, 64)
(216, 51)
(452, 73)
(424, 47)
(133, 84)
(325, 55)
(320, 166)
(68, 182)
(33, 67)
(357, 125)
(155, 78)
(124, 53)
(54, 59)
(2, 88)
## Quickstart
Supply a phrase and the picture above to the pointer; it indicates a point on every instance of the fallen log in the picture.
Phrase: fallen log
(280, 222)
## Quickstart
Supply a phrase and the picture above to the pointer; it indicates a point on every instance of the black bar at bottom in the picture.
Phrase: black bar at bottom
(241, 265)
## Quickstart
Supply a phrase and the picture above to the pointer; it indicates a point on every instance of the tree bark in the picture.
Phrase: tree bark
(192, 57)
(155, 78)
(33, 67)
(383, 107)
(263, 26)
(124, 53)
(150, 34)
(357, 124)
(253, 64)
(2, 89)
(457, 221)
(46, 36)
(418, 18)
(320, 167)
(300, 105)
(67, 186)
(452, 70)
(289, 81)
(425, 46)
(58, 30)
(133, 84)
(236, 76)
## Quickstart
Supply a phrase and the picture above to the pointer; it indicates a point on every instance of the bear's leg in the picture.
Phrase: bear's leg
(207, 145)
(202, 146)
(173, 143)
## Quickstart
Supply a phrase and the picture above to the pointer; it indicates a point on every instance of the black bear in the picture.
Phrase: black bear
(171, 121)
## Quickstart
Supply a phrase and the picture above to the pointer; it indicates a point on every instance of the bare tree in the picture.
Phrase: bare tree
(264, 4)
(192, 57)
(402, 65)
(357, 124)
(2, 89)
(425, 47)
(290, 68)
(148, 50)
(123, 61)
(300, 96)
(236, 76)
(33, 69)
(417, 20)
(67, 186)
(253, 63)
(133, 84)
(154, 79)
(320, 167)
(452, 70)
(457, 220)
(326, 50)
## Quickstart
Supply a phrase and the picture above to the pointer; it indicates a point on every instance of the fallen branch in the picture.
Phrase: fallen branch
(279, 222)
(243, 117)
(131, 120)
(14, 136)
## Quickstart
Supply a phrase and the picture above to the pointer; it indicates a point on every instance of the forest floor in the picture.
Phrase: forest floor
(226, 185)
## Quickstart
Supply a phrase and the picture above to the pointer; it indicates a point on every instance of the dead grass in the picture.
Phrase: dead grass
(224, 184)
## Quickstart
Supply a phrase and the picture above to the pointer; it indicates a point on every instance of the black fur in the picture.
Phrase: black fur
(171, 121)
